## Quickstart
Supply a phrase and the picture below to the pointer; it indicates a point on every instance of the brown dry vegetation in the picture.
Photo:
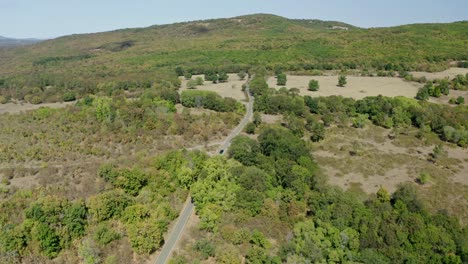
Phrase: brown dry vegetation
(363, 160)
(357, 87)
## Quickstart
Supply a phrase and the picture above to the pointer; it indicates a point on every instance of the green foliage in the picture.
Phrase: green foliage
(131, 181)
(69, 96)
(104, 234)
(49, 241)
(205, 248)
(242, 75)
(223, 77)
(281, 79)
(250, 128)
(208, 100)
(257, 118)
(88, 252)
(188, 75)
(313, 85)
(460, 100)
(199, 80)
(342, 80)
(423, 178)
(146, 236)
(191, 84)
(108, 205)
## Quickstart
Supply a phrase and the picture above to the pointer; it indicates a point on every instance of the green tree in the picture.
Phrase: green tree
(313, 85)
(250, 128)
(179, 71)
(281, 79)
(223, 77)
(104, 234)
(192, 84)
(109, 204)
(342, 80)
(199, 80)
(257, 118)
(147, 236)
(188, 75)
(242, 75)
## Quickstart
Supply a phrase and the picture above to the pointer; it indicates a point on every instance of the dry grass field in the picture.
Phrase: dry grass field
(450, 73)
(363, 160)
(231, 88)
(18, 107)
(357, 87)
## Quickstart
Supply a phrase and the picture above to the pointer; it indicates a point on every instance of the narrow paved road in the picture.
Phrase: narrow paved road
(188, 209)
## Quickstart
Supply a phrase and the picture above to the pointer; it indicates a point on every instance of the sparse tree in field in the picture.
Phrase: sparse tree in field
(281, 79)
(438, 152)
(313, 85)
(192, 84)
(199, 80)
(242, 75)
(188, 75)
(223, 77)
(423, 178)
(342, 80)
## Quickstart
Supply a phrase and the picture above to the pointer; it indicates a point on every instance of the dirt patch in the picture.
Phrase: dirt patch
(14, 108)
(232, 88)
(450, 73)
(357, 87)
(271, 119)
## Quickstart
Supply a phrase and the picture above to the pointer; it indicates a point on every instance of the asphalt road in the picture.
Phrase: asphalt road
(184, 216)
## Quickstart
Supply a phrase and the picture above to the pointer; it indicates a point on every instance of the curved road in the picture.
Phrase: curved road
(188, 209)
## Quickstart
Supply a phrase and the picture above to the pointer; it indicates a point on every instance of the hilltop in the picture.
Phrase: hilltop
(147, 55)
(11, 42)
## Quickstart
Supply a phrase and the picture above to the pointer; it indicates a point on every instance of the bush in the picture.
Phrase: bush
(188, 75)
(192, 84)
(460, 100)
(146, 237)
(109, 204)
(223, 77)
(342, 80)
(3, 100)
(242, 75)
(423, 178)
(250, 128)
(69, 96)
(104, 234)
(35, 100)
(281, 79)
(313, 85)
(205, 248)
(199, 80)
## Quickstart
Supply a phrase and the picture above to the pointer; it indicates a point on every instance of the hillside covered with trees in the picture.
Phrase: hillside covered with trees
(132, 58)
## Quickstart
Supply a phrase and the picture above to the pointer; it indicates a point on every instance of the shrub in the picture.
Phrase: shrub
(3, 100)
(250, 128)
(313, 85)
(188, 75)
(205, 248)
(192, 84)
(281, 79)
(35, 100)
(69, 96)
(199, 80)
(104, 234)
(342, 80)
(460, 100)
(423, 178)
(241, 75)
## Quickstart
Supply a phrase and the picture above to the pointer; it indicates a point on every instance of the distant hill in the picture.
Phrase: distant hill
(11, 42)
(145, 55)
